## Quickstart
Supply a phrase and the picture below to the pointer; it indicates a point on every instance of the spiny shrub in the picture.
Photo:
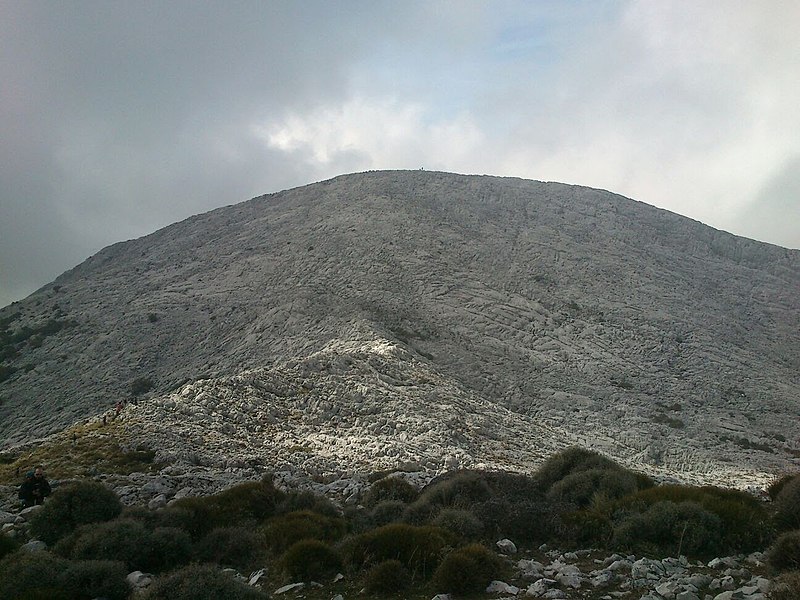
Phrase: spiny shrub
(387, 577)
(785, 587)
(784, 554)
(533, 521)
(200, 582)
(297, 501)
(775, 487)
(418, 548)
(744, 525)
(41, 575)
(7, 545)
(460, 522)
(581, 487)
(33, 575)
(71, 506)
(132, 543)
(669, 528)
(244, 504)
(310, 560)
(571, 460)
(390, 488)
(469, 570)
(588, 528)
(388, 511)
(236, 547)
(787, 506)
(96, 579)
(284, 530)
(459, 489)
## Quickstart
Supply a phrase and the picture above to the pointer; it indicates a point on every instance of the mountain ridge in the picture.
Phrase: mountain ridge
(573, 305)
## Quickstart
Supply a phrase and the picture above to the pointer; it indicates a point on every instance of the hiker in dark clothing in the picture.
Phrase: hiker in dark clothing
(34, 489)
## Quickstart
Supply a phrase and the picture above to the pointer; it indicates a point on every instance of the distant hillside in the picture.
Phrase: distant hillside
(605, 320)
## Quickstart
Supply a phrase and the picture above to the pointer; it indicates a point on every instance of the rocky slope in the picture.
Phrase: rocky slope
(426, 318)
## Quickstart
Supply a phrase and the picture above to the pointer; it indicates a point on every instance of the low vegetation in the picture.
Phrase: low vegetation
(398, 541)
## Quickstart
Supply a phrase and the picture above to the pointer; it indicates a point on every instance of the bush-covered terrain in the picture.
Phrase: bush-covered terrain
(397, 541)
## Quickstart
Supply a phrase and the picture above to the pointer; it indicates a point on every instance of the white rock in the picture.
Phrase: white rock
(289, 588)
(506, 546)
(34, 546)
(137, 579)
(501, 587)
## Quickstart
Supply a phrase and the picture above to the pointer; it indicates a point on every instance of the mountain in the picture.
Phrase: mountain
(428, 318)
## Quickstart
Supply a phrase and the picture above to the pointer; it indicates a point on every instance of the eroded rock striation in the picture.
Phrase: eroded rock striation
(426, 318)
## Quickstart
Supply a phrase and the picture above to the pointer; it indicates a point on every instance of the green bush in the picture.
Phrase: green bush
(784, 554)
(200, 582)
(132, 543)
(390, 488)
(297, 501)
(311, 560)
(387, 577)
(469, 570)
(246, 504)
(388, 511)
(32, 575)
(531, 521)
(236, 547)
(581, 487)
(418, 548)
(96, 579)
(571, 460)
(460, 490)
(71, 506)
(460, 522)
(587, 528)
(787, 506)
(744, 525)
(284, 530)
(7, 545)
(785, 587)
(670, 529)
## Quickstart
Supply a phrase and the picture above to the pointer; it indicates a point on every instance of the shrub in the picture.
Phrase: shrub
(459, 489)
(133, 544)
(33, 575)
(571, 460)
(778, 484)
(469, 570)
(7, 545)
(311, 559)
(418, 548)
(200, 582)
(236, 547)
(588, 528)
(388, 511)
(787, 506)
(461, 522)
(297, 501)
(141, 385)
(387, 577)
(241, 505)
(533, 521)
(743, 523)
(96, 579)
(784, 554)
(284, 530)
(669, 528)
(74, 505)
(581, 487)
(390, 488)
(785, 587)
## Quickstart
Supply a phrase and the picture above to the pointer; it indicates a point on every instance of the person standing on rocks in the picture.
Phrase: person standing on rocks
(34, 489)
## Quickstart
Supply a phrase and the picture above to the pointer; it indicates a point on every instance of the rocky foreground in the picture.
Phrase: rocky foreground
(538, 573)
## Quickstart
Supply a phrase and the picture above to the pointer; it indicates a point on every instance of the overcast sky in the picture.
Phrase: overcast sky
(118, 118)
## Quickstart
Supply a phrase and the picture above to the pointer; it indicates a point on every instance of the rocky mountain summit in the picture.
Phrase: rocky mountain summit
(424, 320)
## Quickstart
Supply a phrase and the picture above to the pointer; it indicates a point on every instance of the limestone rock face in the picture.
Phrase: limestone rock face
(488, 306)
